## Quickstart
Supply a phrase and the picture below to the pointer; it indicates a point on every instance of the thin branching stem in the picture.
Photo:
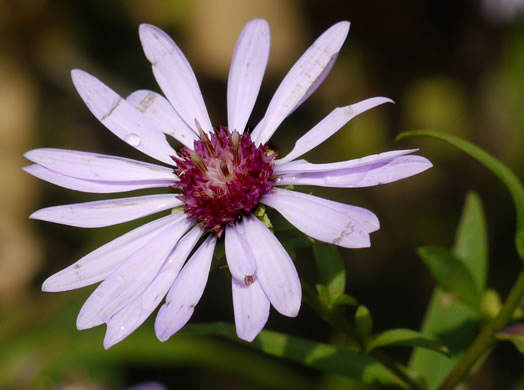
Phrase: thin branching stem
(334, 318)
(486, 339)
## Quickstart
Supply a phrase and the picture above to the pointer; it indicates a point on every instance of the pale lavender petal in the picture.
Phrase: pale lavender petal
(107, 212)
(163, 115)
(185, 292)
(239, 257)
(123, 323)
(246, 73)
(301, 80)
(251, 307)
(100, 263)
(381, 172)
(275, 269)
(175, 77)
(364, 217)
(131, 278)
(94, 186)
(320, 79)
(318, 218)
(330, 125)
(99, 167)
(303, 166)
(367, 219)
(125, 121)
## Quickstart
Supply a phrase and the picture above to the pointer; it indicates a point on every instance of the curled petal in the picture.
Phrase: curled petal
(98, 167)
(318, 218)
(185, 292)
(123, 323)
(251, 307)
(330, 125)
(93, 186)
(131, 278)
(100, 263)
(163, 116)
(124, 121)
(275, 269)
(107, 212)
(301, 81)
(246, 72)
(174, 75)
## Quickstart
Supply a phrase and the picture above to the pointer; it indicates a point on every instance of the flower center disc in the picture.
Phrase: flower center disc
(223, 178)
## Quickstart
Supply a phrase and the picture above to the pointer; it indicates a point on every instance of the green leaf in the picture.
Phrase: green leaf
(332, 315)
(448, 320)
(505, 174)
(452, 324)
(45, 335)
(324, 357)
(323, 294)
(518, 314)
(519, 344)
(332, 273)
(405, 337)
(345, 299)
(471, 240)
(363, 322)
(451, 275)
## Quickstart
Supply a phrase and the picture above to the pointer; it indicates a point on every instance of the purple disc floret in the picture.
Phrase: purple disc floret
(223, 178)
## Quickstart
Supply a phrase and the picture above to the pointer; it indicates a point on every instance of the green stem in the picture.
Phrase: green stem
(328, 315)
(486, 339)
(340, 324)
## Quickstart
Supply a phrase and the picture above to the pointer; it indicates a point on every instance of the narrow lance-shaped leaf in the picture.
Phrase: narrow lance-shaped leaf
(331, 272)
(451, 275)
(471, 242)
(324, 357)
(407, 338)
(505, 174)
(363, 323)
(447, 320)
(345, 299)
(323, 295)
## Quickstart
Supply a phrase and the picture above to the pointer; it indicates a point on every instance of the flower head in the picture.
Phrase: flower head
(218, 178)
(223, 178)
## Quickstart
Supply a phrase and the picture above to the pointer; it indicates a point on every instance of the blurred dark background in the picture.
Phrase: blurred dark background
(451, 66)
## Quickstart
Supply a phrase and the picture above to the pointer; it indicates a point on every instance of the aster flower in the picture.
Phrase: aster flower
(218, 179)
